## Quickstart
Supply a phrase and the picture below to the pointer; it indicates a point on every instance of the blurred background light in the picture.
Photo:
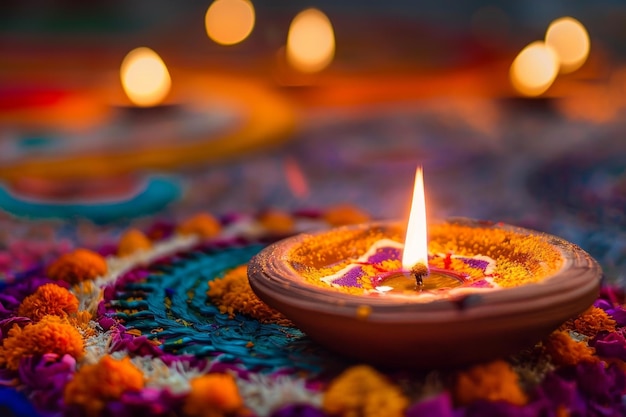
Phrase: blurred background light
(311, 41)
(570, 40)
(534, 69)
(145, 78)
(229, 22)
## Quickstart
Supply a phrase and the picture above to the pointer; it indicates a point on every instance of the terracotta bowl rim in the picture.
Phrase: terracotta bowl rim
(274, 280)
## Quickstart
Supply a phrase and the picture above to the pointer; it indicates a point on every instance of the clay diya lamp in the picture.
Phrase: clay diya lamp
(472, 291)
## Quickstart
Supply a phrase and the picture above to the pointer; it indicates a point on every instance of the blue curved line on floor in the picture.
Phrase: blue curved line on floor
(155, 196)
(190, 324)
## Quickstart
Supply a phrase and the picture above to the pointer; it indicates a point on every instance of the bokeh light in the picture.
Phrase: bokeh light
(569, 38)
(534, 69)
(145, 77)
(229, 22)
(310, 42)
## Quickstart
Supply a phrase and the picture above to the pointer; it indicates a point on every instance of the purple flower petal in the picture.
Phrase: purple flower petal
(45, 377)
(602, 386)
(226, 367)
(107, 249)
(613, 294)
(556, 391)
(7, 324)
(610, 345)
(106, 323)
(8, 303)
(147, 402)
(618, 313)
(135, 345)
(603, 304)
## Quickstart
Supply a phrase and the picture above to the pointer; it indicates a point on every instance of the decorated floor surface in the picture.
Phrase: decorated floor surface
(160, 320)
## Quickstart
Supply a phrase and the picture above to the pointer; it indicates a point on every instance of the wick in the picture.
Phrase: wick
(419, 271)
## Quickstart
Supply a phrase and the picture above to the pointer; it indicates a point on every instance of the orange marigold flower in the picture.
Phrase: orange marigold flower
(49, 299)
(203, 225)
(278, 222)
(213, 395)
(132, 241)
(95, 385)
(232, 294)
(79, 265)
(566, 351)
(50, 335)
(345, 214)
(362, 391)
(81, 320)
(494, 381)
(592, 321)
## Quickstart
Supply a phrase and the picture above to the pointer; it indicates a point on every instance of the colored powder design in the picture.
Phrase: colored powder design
(171, 308)
(351, 278)
(475, 263)
(373, 266)
(385, 253)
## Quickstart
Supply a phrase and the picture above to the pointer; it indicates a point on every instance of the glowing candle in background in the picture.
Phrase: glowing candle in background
(310, 42)
(534, 69)
(229, 22)
(569, 38)
(145, 78)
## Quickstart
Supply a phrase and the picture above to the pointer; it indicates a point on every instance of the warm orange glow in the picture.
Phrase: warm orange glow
(569, 38)
(145, 78)
(229, 22)
(416, 243)
(311, 41)
(534, 70)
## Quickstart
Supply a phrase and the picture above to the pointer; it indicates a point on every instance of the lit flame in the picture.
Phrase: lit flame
(416, 244)
(311, 41)
(145, 78)
(569, 38)
(534, 70)
(229, 22)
